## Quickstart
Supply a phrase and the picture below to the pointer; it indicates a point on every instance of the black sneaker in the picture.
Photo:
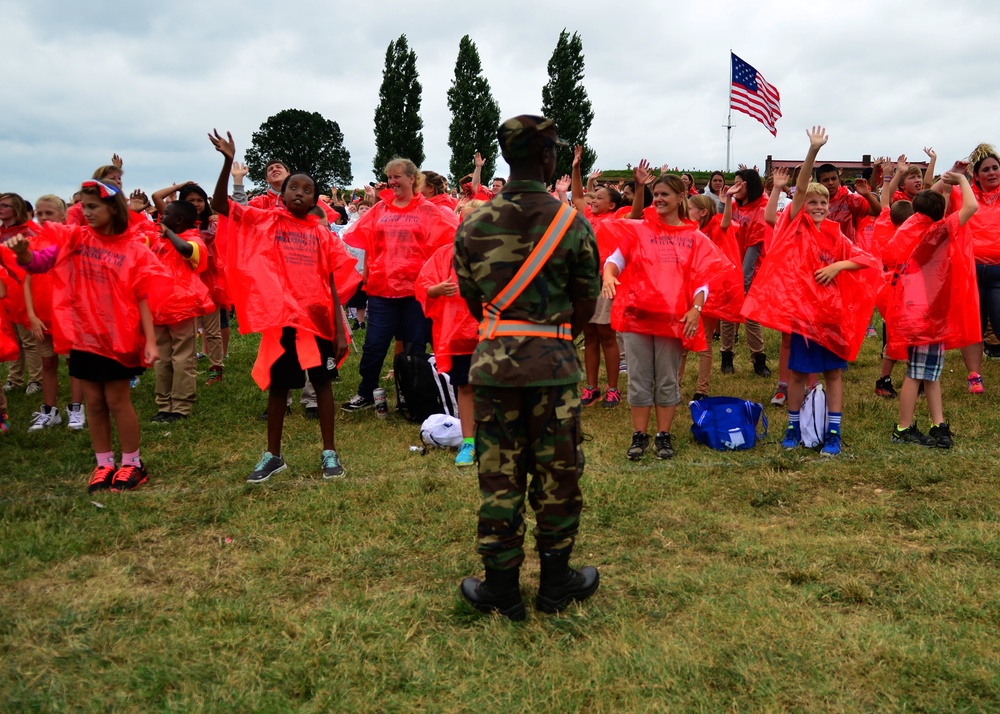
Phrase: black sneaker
(911, 435)
(161, 418)
(268, 465)
(884, 388)
(357, 403)
(176, 416)
(941, 435)
(664, 449)
(640, 442)
(698, 396)
(312, 412)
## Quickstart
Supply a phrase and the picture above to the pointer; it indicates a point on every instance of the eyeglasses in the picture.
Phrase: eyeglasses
(6, 205)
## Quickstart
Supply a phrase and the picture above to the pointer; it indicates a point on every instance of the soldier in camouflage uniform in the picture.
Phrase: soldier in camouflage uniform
(527, 408)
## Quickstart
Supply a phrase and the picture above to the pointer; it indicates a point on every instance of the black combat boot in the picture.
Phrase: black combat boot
(760, 365)
(499, 592)
(560, 584)
(727, 361)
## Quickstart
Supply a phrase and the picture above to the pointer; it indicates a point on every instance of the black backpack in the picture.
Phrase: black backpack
(418, 387)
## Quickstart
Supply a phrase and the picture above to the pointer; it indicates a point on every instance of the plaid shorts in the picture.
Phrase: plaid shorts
(925, 362)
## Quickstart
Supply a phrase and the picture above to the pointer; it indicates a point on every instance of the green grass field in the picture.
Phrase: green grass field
(756, 581)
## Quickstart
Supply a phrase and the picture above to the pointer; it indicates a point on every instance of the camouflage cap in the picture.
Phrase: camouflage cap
(519, 136)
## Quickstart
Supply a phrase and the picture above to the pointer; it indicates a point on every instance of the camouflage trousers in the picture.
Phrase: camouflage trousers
(519, 431)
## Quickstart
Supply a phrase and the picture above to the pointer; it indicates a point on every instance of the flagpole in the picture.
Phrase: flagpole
(729, 120)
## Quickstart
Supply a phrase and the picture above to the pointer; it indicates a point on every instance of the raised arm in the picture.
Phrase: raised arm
(477, 173)
(592, 179)
(578, 201)
(864, 190)
(640, 175)
(780, 178)
(817, 137)
(159, 196)
(969, 203)
(929, 173)
(226, 147)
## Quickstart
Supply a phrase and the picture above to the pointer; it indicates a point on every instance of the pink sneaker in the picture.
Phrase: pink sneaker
(589, 396)
(975, 383)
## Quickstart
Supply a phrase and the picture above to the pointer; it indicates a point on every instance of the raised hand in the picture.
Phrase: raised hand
(817, 137)
(116, 161)
(862, 187)
(138, 201)
(901, 163)
(577, 155)
(563, 184)
(779, 176)
(479, 160)
(596, 174)
(225, 146)
(931, 154)
(239, 172)
(641, 173)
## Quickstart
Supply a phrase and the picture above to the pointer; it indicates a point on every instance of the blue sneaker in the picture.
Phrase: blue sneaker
(466, 455)
(831, 447)
(268, 465)
(332, 468)
(793, 437)
(134, 382)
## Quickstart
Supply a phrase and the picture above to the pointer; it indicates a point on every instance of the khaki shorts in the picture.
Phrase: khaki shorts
(602, 312)
(45, 347)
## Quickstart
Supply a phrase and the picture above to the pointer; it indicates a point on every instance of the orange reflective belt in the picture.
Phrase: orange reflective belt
(493, 325)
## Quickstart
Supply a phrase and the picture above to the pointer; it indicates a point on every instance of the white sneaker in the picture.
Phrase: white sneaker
(75, 417)
(33, 388)
(47, 417)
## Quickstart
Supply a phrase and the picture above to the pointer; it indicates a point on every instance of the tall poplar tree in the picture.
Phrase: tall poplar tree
(305, 141)
(475, 115)
(564, 100)
(397, 117)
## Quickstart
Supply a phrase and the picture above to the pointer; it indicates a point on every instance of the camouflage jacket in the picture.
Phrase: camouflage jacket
(490, 246)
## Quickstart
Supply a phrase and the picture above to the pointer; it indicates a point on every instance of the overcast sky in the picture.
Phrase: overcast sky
(83, 80)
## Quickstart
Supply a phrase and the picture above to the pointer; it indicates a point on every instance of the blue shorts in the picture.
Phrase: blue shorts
(459, 372)
(812, 357)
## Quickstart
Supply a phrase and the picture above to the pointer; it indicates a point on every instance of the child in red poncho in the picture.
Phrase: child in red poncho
(934, 304)
(38, 305)
(183, 253)
(665, 264)
(105, 278)
(598, 335)
(26, 370)
(798, 291)
(281, 274)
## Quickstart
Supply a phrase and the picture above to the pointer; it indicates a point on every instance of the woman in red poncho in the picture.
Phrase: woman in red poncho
(285, 274)
(435, 189)
(752, 232)
(598, 335)
(398, 235)
(104, 277)
(984, 228)
(665, 265)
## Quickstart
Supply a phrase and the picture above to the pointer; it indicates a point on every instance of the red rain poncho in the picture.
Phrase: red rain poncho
(42, 284)
(607, 241)
(98, 282)
(453, 329)
(664, 265)
(725, 292)
(12, 274)
(750, 226)
(445, 201)
(882, 232)
(934, 294)
(9, 349)
(846, 209)
(279, 270)
(785, 295)
(398, 241)
(214, 275)
(984, 226)
(189, 297)
(270, 199)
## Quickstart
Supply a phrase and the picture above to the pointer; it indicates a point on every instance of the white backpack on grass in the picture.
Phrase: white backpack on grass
(812, 417)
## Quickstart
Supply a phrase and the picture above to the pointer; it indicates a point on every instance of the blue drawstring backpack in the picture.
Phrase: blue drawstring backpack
(727, 423)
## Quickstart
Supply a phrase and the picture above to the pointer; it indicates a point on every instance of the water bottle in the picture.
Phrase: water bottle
(381, 406)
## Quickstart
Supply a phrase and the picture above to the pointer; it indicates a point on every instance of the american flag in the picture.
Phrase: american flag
(751, 94)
